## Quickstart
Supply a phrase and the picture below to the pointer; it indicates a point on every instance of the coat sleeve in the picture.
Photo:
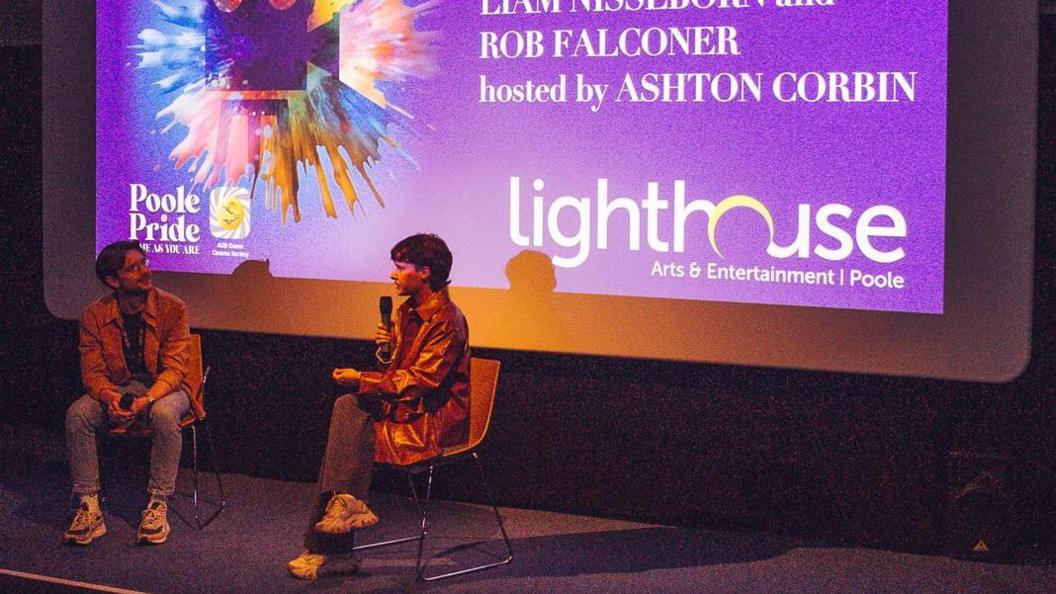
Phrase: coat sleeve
(440, 352)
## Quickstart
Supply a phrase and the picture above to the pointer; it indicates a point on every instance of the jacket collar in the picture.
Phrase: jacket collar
(150, 312)
(426, 310)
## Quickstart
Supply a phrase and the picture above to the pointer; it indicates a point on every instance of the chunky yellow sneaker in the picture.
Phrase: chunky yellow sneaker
(310, 566)
(306, 565)
(345, 513)
(86, 526)
(154, 527)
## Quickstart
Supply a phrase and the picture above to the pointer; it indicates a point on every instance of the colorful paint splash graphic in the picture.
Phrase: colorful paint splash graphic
(270, 89)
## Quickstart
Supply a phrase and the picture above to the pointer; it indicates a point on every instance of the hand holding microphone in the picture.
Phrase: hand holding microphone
(119, 406)
(383, 337)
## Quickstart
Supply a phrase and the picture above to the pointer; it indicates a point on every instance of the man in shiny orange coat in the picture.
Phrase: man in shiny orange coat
(404, 414)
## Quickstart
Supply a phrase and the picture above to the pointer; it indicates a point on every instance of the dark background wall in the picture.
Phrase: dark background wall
(848, 458)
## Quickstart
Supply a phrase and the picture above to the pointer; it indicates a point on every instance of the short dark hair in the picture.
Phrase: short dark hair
(426, 249)
(112, 258)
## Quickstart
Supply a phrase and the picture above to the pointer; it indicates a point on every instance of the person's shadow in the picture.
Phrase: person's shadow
(465, 535)
(530, 313)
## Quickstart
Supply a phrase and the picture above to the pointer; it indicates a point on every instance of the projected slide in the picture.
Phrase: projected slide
(787, 152)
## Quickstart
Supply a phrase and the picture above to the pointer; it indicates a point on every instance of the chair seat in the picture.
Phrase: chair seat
(448, 456)
(457, 452)
(139, 428)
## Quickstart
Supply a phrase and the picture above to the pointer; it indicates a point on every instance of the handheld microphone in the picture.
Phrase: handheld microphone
(126, 401)
(385, 305)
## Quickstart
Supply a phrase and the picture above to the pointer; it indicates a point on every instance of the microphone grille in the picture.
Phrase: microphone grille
(385, 305)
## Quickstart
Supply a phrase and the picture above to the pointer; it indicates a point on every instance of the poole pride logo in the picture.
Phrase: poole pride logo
(269, 89)
(229, 215)
(163, 217)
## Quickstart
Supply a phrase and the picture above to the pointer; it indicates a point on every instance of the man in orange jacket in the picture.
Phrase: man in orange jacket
(134, 346)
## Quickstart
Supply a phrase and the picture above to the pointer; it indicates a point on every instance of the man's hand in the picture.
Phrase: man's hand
(139, 404)
(346, 377)
(109, 397)
(112, 400)
(382, 336)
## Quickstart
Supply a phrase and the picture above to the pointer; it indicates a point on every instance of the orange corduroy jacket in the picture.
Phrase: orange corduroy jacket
(166, 345)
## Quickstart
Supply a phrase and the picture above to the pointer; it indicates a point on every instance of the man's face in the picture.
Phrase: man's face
(134, 277)
(408, 278)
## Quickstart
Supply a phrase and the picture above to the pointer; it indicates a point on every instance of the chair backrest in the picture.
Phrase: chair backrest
(192, 382)
(483, 381)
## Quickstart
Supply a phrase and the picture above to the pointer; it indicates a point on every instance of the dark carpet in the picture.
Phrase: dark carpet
(246, 549)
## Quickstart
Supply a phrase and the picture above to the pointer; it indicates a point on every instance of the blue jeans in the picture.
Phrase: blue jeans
(87, 416)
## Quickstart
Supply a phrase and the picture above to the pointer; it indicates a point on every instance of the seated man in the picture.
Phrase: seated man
(402, 415)
(134, 347)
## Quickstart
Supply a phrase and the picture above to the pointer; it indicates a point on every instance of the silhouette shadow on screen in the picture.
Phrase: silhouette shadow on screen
(530, 312)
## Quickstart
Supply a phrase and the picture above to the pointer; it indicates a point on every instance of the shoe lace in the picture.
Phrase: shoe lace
(335, 503)
(344, 505)
(154, 515)
(347, 503)
(82, 519)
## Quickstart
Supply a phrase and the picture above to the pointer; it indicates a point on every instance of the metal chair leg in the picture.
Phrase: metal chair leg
(494, 508)
(385, 543)
(194, 474)
(418, 568)
(196, 498)
(502, 529)
(414, 492)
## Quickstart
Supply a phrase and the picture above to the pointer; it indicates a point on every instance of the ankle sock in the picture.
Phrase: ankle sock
(92, 501)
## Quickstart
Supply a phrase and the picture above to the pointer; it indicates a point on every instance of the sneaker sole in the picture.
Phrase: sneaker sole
(154, 539)
(86, 540)
(304, 573)
(332, 568)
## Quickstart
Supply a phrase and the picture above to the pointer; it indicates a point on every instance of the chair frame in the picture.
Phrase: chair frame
(419, 567)
(211, 454)
(430, 466)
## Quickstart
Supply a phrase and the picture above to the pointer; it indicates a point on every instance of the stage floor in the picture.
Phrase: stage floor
(246, 549)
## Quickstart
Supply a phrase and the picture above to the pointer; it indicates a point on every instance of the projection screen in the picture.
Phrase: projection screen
(826, 184)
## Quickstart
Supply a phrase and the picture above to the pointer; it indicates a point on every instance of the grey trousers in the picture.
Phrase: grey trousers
(346, 468)
(87, 416)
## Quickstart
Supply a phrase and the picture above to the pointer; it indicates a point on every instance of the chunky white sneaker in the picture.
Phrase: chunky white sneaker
(345, 513)
(85, 527)
(154, 527)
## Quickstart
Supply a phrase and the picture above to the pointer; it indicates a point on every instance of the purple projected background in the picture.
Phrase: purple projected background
(442, 159)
